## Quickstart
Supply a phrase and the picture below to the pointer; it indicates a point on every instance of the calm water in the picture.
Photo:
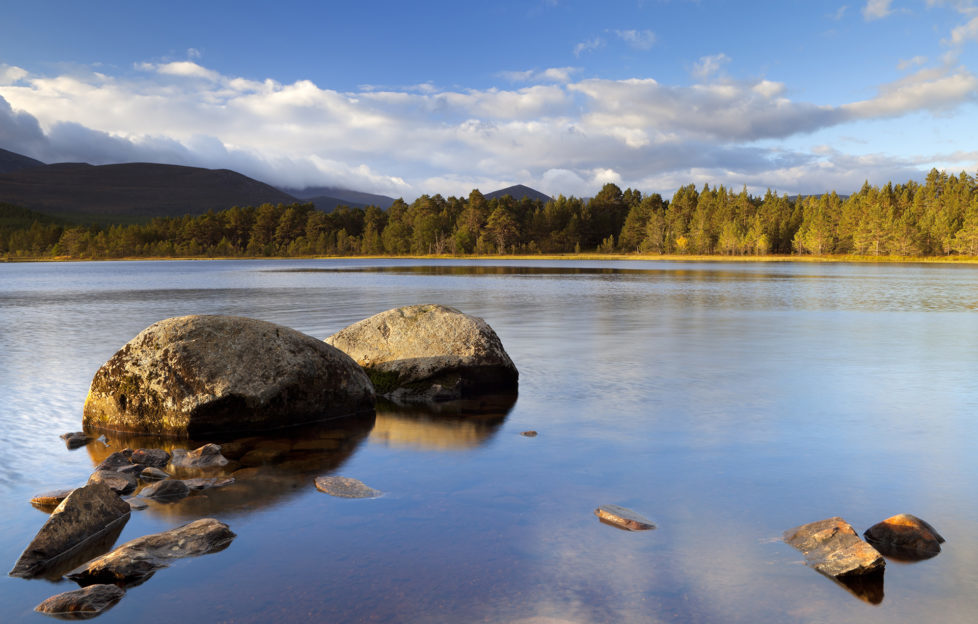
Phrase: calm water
(728, 402)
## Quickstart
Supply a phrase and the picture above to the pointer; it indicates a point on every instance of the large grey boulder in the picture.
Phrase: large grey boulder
(194, 375)
(87, 514)
(428, 352)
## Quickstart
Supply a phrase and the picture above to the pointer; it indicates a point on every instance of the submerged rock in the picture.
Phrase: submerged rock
(86, 514)
(207, 456)
(623, 518)
(151, 458)
(137, 560)
(166, 491)
(75, 439)
(82, 604)
(833, 548)
(905, 537)
(47, 501)
(193, 375)
(428, 352)
(345, 487)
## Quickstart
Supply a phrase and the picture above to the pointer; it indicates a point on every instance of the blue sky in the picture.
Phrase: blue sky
(441, 97)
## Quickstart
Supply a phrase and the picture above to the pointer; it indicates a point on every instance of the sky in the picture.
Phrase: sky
(410, 98)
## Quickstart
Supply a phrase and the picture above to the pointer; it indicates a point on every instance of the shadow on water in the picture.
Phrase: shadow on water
(866, 587)
(450, 425)
(268, 469)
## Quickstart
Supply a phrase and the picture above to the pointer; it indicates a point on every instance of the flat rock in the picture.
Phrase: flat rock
(166, 491)
(428, 353)
(833, 547)
(137, 503)
(195, 375)
(120, 482)
(117, 460)
(82, 604)
(623, 518)
(345, 487)
(153, 458)
(153, 474)
(207, 456)
(50, 500)
(138, 559)
(75, 439)
(905, 537)
(206, 483)
(87, 513)
(529, 434)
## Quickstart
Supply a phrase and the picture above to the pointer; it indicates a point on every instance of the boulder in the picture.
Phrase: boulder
(833, 548)
(120, 482)
(138, 559)
(905, 537)
(207, 456)
(86, 514)
(623, 518)
(120, 460)
(153, 474)
(151, 458)
(195, 375)
(166, 491)
(428, 352)
(345, 487)
(82, 604)
(75, 439)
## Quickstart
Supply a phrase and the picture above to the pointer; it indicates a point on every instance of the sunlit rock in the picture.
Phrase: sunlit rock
(623, 518)
(75, 439)
(345, 487)
(152, 458)
(428, 353)
(206, 456)
(82, 604)
(47, 501)
(905, 537)
(119, 482)
(202, 374)
(153, 474)
(138, 559)
(834, 548)
(86, 514)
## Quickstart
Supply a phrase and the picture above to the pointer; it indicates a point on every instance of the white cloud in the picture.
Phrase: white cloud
(638, 39)
(552, 74)
(966, 32)
(877, 9)
(928, 89)
(589, 45)
(10, 74)
(916, 61)
(839, 13)
(194, 53)
(710, 65)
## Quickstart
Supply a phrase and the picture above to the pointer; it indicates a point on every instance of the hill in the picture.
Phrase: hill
(328, 198)
(131, 192)
(9, 161)
(518, 192)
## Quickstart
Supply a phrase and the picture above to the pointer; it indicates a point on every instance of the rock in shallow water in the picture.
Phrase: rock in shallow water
(151, 458)
(47, 501)
(623, 518)
(166, 491)
(428, 352)
(119, 482)
(82, 604)
(193, 375)
(905, 537)
(75, 439)
(207, 456)
(832, 547)
(345, 487)
(137, 560)
(86, 513)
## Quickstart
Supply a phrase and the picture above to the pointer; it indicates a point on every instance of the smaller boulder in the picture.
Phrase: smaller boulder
(49, 500)
(203, 483)
(117, 460)
(153, 458)
(166, 491)
(207, 456)
(82, 604)
(120, 482)
(75, 439)
(833, 547)
(905, 537)
(623, 518)
(345, 487)
(153, 474)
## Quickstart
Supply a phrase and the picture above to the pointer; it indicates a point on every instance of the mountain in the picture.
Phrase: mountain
(131, 192)
(328, 198)
(9, 161)
(518, 192)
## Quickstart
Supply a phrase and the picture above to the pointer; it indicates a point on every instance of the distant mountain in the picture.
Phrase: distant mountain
(131, 192)
(328, 198)
(518, 192)
(9, 161)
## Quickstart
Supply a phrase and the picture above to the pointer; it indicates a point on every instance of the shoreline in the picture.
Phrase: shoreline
(843, 259)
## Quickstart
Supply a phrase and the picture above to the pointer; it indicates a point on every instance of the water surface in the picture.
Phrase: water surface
(728, 402)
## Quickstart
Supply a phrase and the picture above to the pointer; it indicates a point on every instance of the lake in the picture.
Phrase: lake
(727, 402)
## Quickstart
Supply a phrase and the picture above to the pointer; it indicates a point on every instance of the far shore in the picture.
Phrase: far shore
(966, 260)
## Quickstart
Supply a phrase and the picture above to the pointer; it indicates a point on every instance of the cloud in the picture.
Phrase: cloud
(916, 61)
(709, 65)
(929, 89)
(552, 74)
(589, 45)
(964, 33)
(877, 9)
(839, 13)
(638, 39)
(10, 74)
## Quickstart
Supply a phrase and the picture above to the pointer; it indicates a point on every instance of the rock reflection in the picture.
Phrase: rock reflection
(267, 469)
(450, 425)
(866, 587)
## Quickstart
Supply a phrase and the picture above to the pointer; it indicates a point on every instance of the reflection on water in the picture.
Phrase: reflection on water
(449, 425)
(866, 587)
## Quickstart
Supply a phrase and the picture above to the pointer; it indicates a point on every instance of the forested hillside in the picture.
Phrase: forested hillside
(936, 218)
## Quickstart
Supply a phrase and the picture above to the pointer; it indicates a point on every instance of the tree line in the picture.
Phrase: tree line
(936, 217)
